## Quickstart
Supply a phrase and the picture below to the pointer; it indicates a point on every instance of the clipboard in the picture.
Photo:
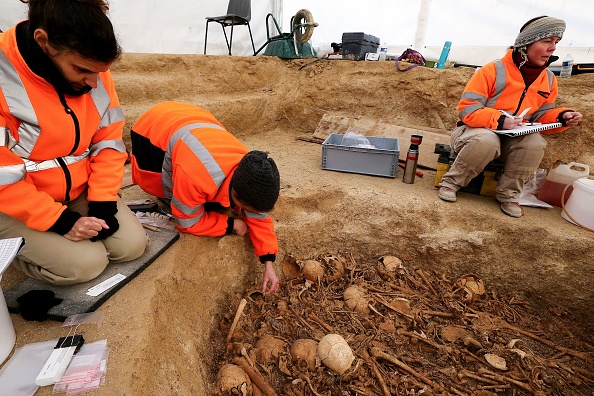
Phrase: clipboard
(528, 128)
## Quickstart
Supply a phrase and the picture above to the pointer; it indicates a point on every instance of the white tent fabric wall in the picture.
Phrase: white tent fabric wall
(479, 31)
(11, 11)
(178, 26)
(173, 26)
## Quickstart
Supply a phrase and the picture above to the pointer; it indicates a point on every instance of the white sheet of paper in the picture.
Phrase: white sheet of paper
(105, 285)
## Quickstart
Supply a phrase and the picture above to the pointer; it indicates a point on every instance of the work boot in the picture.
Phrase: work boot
(447, 194)
(512, 209)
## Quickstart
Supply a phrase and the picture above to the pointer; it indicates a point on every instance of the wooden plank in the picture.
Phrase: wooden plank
(311, 139)
(368, 127)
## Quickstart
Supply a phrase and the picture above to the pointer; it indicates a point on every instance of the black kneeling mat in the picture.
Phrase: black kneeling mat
(75, 299)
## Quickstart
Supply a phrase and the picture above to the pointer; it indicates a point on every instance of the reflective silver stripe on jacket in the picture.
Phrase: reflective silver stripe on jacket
(470, 109)
(11, 174)
(550, 75)
(33, 166)
(541, 110)
(19, 104)
(204, 156)
(252, 215)
(100, 98)
(185, 209)
(483, 101)
(14, 92)
(102, 101)
(214, 170)
(189, 211)
(112, 116)
(20, 107)
(188, 223)
(500, 82)
(3, 136)
(117, 145)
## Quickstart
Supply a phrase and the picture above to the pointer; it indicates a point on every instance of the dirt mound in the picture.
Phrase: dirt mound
(254, 94)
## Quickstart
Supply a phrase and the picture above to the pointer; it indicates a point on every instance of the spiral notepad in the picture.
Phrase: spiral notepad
(9, 248)
(527, 129)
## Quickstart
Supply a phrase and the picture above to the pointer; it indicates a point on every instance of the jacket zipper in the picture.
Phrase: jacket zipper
(60, 160)
(74, 119)
(521, 100)
(67, 177)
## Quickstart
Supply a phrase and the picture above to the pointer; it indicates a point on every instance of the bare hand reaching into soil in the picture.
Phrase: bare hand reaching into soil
(239, 227)
(270, 277)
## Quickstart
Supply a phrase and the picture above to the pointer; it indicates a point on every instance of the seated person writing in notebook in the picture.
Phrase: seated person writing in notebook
(517, 82)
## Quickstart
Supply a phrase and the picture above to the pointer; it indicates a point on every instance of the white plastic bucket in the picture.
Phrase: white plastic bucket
(7, 334)
(579, 208)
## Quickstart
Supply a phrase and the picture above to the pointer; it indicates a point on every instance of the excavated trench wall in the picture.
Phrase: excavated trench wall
(268, 103)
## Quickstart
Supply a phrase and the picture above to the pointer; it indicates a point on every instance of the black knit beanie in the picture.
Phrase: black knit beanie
(256, 181)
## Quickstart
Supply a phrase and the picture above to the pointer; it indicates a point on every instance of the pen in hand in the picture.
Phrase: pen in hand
(515, 120)
(521, 115)
(510, 122)
(505, 113)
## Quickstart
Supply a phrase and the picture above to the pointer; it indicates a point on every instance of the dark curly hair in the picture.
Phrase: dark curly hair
(76, 25)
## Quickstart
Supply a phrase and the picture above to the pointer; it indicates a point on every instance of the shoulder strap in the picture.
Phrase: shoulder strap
(408, 68)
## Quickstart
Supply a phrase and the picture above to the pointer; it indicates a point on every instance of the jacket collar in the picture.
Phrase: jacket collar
(529, 72)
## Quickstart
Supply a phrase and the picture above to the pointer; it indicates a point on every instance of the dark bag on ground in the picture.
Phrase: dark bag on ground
(411, 56)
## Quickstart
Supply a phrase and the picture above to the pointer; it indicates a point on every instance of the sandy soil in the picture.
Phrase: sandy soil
(161, 327)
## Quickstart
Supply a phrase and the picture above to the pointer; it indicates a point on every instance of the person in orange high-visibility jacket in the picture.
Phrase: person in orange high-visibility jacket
(183, 155)
(492, 100)
(61, 150)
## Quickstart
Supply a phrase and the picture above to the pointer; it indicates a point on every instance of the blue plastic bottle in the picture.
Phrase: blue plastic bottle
(445, 52)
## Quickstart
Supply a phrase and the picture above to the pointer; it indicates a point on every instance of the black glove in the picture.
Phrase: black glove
(35, 304)
(65, 222)
(105, 211)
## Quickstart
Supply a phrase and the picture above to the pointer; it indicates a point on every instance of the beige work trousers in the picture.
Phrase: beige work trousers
(54, 259)
(476, 147)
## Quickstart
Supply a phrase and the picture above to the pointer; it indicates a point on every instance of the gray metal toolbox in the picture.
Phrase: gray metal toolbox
(381, 160)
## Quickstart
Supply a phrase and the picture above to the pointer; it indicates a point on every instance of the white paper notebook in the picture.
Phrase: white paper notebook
(9, 248)
(527, 129)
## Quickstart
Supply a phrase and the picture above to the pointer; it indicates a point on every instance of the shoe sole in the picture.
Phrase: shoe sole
(515, 215)
(447, 199)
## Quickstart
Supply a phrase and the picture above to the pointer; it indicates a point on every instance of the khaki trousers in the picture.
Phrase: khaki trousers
(54, 259)
(476, 147)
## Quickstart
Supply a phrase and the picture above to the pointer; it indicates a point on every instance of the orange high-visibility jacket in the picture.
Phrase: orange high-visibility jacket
(499, 86)
(51, 152)
(198, 159)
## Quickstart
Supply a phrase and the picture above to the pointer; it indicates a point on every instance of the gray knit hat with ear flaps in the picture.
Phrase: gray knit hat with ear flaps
(256, 181)
(539, 28)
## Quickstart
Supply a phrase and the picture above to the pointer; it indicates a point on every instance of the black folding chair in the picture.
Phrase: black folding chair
(239, 12)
